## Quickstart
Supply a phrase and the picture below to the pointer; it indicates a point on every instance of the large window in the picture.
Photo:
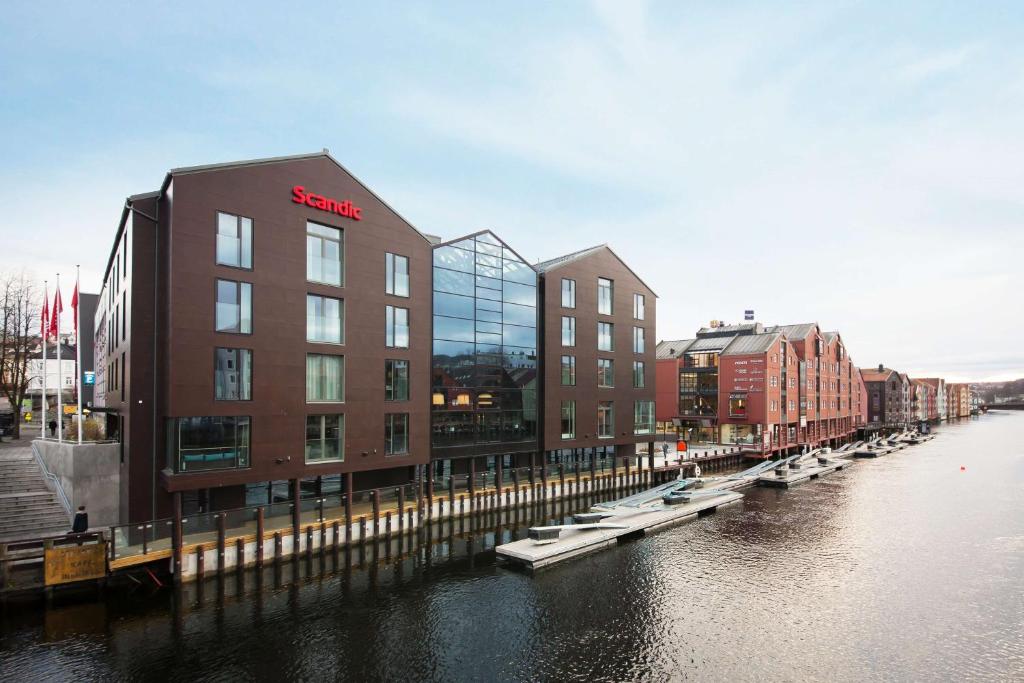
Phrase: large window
(568, 293)
(234, 307)
(738, 405)
(232, 370)
(325, 319)
(568, 371)
(234, 240)
(396, 327)
(605, 419)
(568, 330)
(638, 306)
(396, 380)
(605, 337)
(639, 374)
(396, 433)
(568, 419)
(325, 378)
(209, 443)
(605, 295)
(324, 254)
(643, 417)
(396, 270)
(605, 372)
(639, 340)
(325, 438)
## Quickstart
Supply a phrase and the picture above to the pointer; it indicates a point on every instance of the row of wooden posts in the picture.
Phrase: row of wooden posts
(567, 485)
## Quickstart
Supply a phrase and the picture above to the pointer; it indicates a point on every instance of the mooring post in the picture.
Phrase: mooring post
(259, 536)
(515, 484)
(472, 480)
(175, 539)
(296, 512)
(200, 561)
(401, 508)
(239, 553)
(348, 508)
(220, 542)
(376, 513)
(278, 547)
(309, 540)
(451, 494)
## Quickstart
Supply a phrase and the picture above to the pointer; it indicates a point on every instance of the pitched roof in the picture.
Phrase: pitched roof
(873, 375)
(707, 344)
(559, 261)
(934, 381)
(794, 332)
(672, 349)
(746, 344)
(723, 330)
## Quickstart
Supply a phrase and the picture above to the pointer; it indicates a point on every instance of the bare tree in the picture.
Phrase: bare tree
(20, 310)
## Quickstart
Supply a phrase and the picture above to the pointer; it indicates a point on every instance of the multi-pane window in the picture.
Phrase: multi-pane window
(639, 374)
(234, 307)
(605, 372)
(568, 293)
(396, 327)
(325, 319)
(396, 380)
(396, 269)
(234, 240)
(605, 337)
(737, 405)
(605, 419)
(568, 330)
(232, 370)
(324, 254)
(396, 433)
(638, 340)
(325, 378)
(604, 296)
(325, 438)
(638, 306)
(568, 413)
(568, 371)
(209, 443)
(643, 417)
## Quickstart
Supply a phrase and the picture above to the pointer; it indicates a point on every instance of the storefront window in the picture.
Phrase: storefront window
(737, 405)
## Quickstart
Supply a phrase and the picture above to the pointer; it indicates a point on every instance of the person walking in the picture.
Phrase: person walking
(81, 523)
(53, 428)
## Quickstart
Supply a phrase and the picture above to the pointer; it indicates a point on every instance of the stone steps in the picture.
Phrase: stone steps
(28, 509)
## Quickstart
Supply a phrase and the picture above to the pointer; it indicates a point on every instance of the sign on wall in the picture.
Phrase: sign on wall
(69, 563)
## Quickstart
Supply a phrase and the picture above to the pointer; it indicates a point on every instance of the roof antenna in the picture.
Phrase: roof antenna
(326, 151)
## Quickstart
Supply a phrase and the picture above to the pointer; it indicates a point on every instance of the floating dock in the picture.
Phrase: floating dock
(786, 477)
(573, 540)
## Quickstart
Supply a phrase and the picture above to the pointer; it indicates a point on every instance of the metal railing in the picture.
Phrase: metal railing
(52, 481)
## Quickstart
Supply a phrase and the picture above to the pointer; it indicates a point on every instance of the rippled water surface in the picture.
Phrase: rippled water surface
(904, 568)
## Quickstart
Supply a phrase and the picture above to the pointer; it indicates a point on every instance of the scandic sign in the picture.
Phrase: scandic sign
(342, 208)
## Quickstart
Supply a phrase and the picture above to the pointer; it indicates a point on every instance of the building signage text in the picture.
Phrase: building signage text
(341, 207)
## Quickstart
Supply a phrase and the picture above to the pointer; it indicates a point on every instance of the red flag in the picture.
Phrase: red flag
(45, 322)
(57, 310)
(74, 307)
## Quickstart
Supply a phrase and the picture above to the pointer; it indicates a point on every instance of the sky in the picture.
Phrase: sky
(859, 165)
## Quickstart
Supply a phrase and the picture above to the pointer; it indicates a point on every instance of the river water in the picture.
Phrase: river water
(902, 568)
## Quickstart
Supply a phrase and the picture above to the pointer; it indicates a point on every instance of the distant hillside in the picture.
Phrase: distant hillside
(990, 391)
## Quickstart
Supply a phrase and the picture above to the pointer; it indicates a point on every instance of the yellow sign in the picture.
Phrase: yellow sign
(70, 410)
(69, 563)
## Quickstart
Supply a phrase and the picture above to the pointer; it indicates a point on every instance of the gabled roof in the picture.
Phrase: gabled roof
(794, 332)
(672, 349)
(559, 261)
(746, 344)
(873, 375)
(934, 381)
(454, 242)
(187, 170)
(724, 330)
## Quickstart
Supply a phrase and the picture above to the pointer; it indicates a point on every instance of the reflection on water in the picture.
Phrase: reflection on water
(903, 567)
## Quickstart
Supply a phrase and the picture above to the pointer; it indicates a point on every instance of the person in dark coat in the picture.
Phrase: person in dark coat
(53, 427)
(81, 523)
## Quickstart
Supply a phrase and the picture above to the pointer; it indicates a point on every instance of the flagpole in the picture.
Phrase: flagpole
(78, 354)
(46, 333)
(60, 369)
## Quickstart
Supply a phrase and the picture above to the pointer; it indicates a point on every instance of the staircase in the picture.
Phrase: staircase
(28, 508)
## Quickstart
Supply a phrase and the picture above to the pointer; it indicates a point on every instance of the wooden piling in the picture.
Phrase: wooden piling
(259, 537)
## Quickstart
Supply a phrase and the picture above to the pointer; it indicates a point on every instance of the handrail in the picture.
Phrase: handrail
(52, 482)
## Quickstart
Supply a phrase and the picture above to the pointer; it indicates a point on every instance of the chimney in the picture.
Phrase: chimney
(881, 368)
